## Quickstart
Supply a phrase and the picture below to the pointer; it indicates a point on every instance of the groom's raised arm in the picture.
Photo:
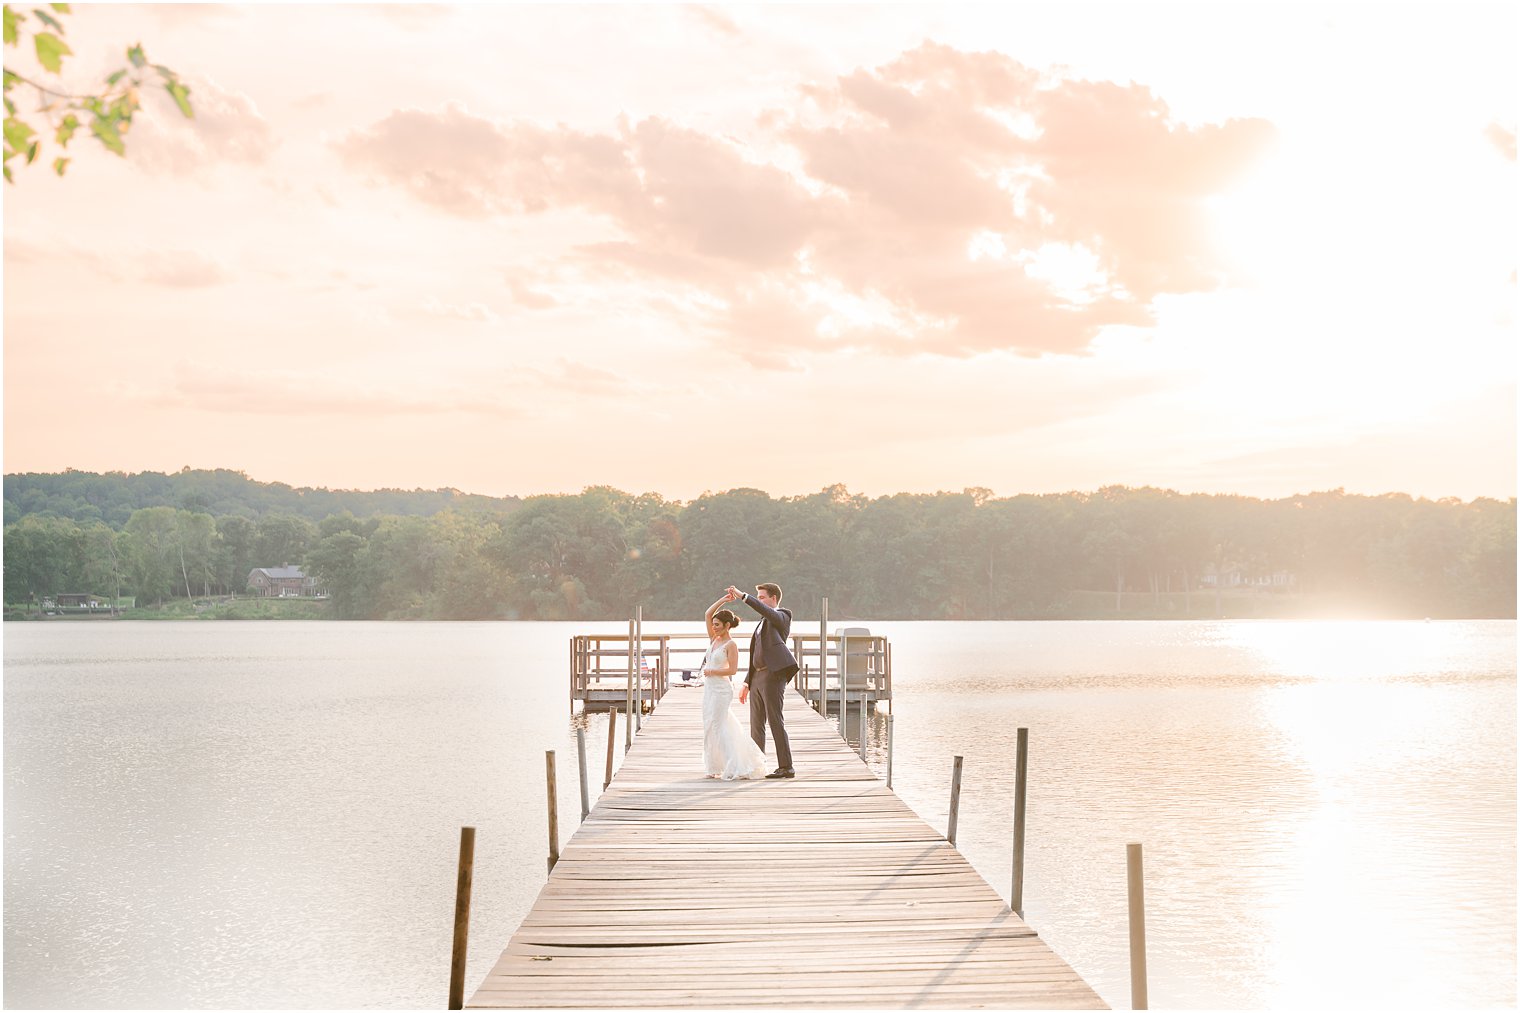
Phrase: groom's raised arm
(781, 619)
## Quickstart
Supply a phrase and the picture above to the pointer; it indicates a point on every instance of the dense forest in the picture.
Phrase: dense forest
(445, 555)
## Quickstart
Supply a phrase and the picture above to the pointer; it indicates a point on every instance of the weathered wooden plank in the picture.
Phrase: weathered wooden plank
(826, 891)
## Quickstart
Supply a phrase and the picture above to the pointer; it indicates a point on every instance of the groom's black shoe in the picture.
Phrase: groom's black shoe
(781, 772)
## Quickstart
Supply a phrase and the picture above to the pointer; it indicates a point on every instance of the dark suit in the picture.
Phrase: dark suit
(771, 667)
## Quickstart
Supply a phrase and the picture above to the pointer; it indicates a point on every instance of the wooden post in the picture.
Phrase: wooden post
(889, 750)
(1138, 999)
(842, 680)
(611, 739)
(628, 694)
(955, 799)
(462, 916)
(863, 696)
(1021, 771)
(823, 658)
(638, 666)
(580, 755)
(664, 666)
(553, 809)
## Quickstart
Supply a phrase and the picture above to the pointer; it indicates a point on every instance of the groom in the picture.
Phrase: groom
(771, 666)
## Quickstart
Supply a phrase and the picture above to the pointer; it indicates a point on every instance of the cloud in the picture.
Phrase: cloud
(74, 258)
(472, 312)
(189, 14)
(579, 379)
(1503, 140)
(937, 189)
(315, 100)
(290, 394)
(528, 297)
(409, 16)
(227, 129)
(677, 188)
(714, 19)
(183, 269)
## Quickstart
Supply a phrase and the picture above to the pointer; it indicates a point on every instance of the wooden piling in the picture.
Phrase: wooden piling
(638, 664)
(842, 680)
(889, 749)
(628, 694)
(580, 756)
(1139, 999)
(611, 742)
(553, 808)
(823, 658)
(1021, 770)
(955, 798)
(863, 725)
(462, 916)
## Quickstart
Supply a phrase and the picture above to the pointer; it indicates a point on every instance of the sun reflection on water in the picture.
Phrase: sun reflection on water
(1391, 794)
(1351, 650)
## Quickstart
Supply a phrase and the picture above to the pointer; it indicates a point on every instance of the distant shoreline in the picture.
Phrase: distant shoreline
(1081, 606)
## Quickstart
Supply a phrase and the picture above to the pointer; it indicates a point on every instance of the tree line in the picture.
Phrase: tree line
(112, 497)
(595, 554)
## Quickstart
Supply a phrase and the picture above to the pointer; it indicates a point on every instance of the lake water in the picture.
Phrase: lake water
(224, 814)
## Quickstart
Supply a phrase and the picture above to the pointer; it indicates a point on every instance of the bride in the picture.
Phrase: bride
(726, 750)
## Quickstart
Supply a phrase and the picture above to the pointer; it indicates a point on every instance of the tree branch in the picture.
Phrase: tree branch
(44, 88)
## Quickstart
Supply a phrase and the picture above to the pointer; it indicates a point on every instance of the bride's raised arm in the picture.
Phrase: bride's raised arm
(712, 610)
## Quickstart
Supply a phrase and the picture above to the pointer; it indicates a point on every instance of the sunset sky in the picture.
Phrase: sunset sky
(1222, 247)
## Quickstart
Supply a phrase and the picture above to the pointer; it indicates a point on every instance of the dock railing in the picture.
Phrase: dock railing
(603, 667)
(866, 664)
(609, 669)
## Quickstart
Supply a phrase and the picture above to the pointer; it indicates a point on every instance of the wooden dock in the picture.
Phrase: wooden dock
(822, 891)
(604, 674)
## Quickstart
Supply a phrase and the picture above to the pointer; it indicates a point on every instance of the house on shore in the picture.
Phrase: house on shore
(1240, 577)
(283, 582)
(80, 601)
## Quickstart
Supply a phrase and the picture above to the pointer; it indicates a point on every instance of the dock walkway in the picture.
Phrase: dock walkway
(822, 891)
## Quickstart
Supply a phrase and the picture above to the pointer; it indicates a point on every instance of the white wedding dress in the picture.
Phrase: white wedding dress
(727, 750)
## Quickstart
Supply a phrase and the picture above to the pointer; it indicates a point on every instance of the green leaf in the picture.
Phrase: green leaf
(48, 20)
(51, 50)
(11, 80)
(105, 129)
(31, 153)
(12, 19)
(8, 178)
(181, 96)
(121, 112)
(10, 108)
(116, 76)
(59, 164)
(66, 129)
(135, 54)
(60, 8)
(17, 133)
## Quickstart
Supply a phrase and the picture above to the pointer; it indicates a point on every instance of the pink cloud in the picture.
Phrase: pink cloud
(525, 295)
(906, 165)
(474, 312)
(227, 128)
(714, 19)
(183, 269)
(287, 395)
(1503, 140)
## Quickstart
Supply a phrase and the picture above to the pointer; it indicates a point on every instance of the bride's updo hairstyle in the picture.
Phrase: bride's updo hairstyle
(727, 618)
